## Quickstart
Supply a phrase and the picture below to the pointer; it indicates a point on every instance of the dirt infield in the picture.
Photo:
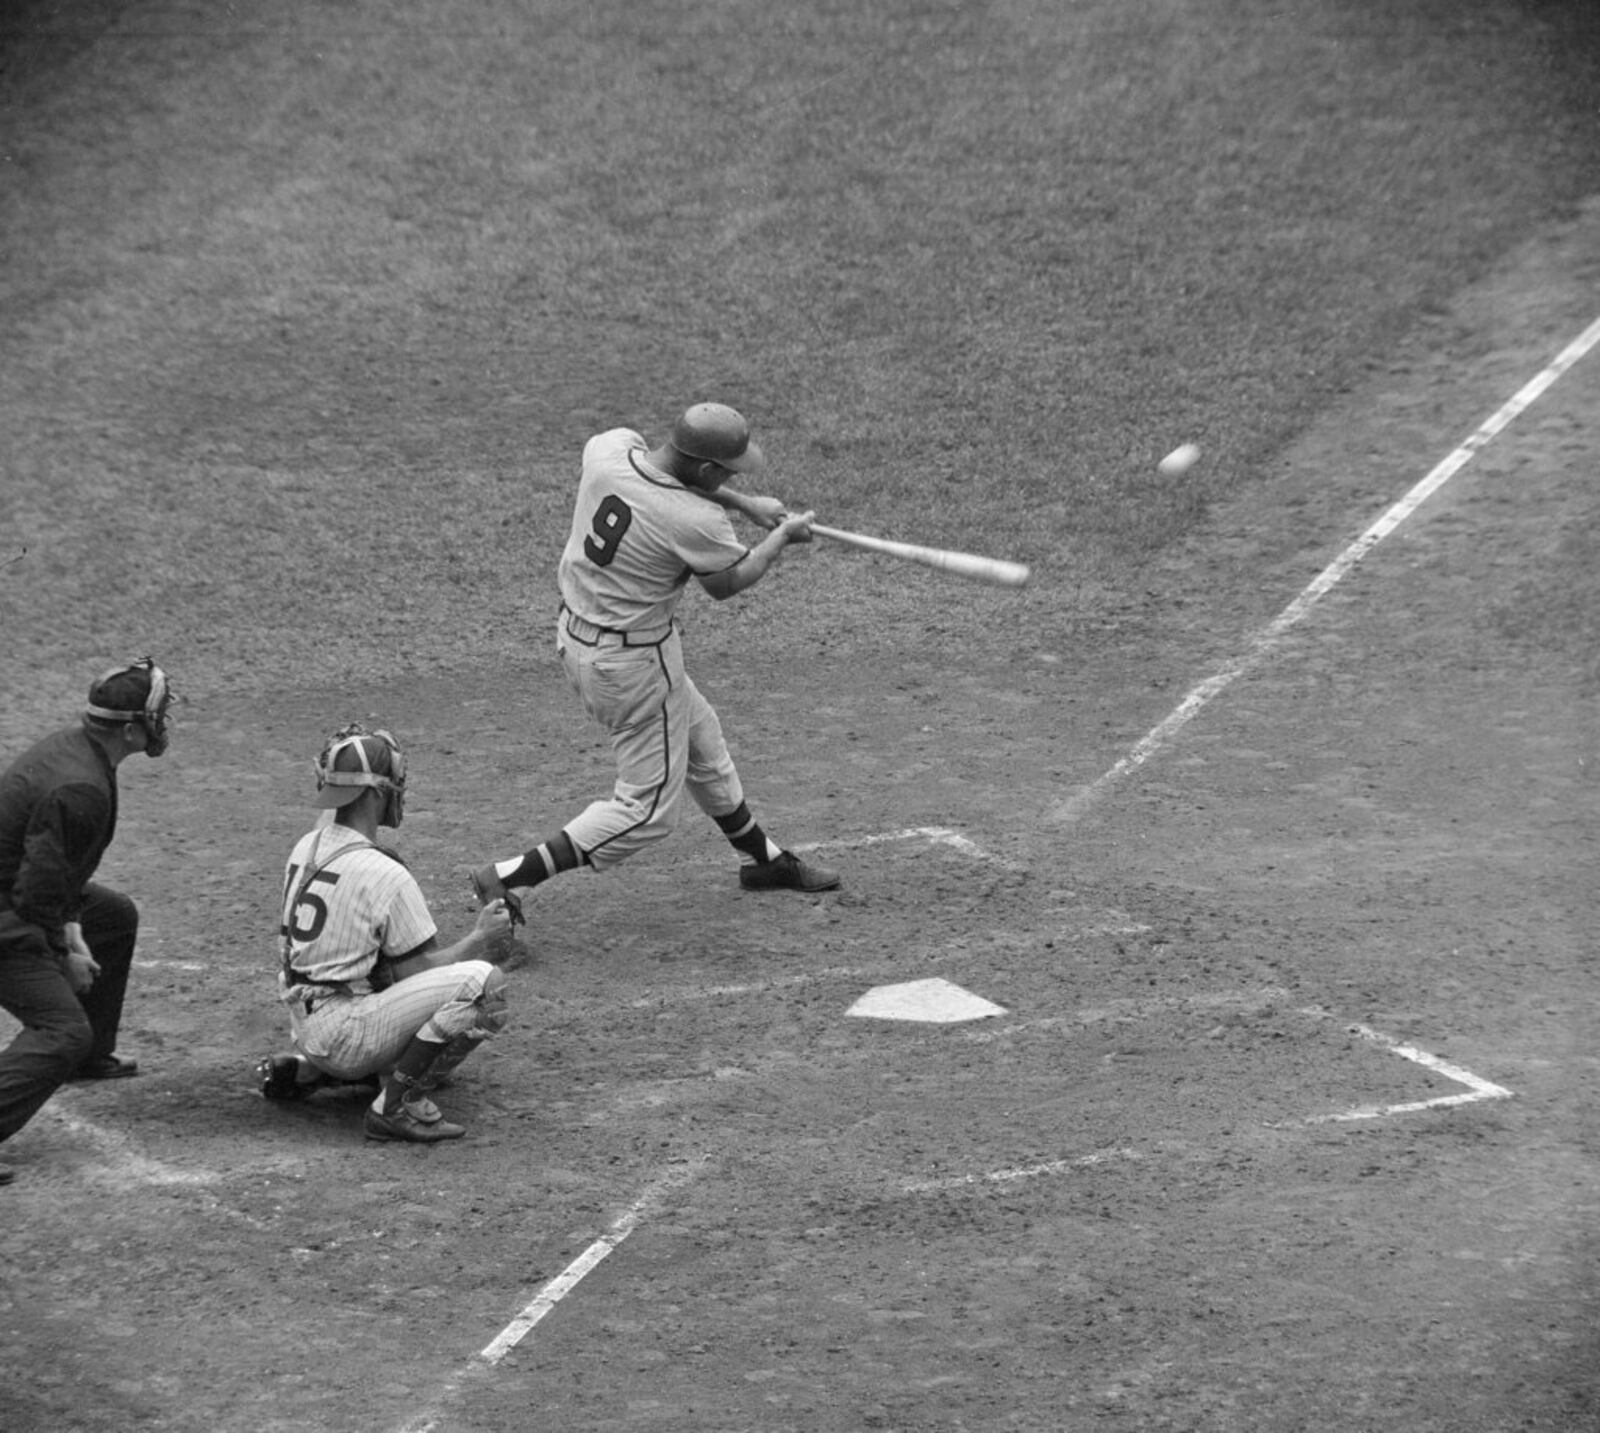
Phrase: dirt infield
(1282, 1120)
(1122, 1204)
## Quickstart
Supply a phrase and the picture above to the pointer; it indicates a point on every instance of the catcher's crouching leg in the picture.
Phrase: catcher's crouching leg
(491, 1017)
(475, 1012)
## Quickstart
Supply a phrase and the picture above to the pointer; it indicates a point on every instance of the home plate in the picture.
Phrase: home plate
(935, 1001)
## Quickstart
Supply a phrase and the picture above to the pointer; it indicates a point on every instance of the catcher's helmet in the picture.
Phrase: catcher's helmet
(356, 760)
(715, 433)
(135, 692)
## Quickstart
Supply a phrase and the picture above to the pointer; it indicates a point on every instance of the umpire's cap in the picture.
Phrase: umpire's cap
(717, 434)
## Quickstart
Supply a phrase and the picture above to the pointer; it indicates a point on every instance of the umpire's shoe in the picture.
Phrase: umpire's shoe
(106, 1067)
(787, 873)
(401, 1124)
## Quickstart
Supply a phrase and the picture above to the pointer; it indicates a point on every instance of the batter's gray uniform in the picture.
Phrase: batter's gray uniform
(645, 521)
(637, 538)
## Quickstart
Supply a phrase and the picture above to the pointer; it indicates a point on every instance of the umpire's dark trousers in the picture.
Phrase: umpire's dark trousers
(61, 1029)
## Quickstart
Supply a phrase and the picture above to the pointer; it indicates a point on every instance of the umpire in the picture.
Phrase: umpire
(66, 943)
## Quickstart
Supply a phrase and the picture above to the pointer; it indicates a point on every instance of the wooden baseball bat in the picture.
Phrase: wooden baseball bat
(963, 564)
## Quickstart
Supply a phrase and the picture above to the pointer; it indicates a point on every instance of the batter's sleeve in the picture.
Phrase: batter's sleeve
(704, 538)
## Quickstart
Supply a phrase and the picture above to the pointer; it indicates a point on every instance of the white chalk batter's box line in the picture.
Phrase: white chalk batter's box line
(929, 835)
(128, 1166)
(1132, 1008)
(1131, 1011)
(1271, 997)
(940, 836)
(1477, 1089)
(546, 1299)
(934, 835)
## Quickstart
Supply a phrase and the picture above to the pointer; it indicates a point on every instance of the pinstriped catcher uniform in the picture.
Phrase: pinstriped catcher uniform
(645, 522)
(350, 909)
(367, 990)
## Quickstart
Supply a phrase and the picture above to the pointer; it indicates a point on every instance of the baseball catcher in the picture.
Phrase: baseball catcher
(370, 992)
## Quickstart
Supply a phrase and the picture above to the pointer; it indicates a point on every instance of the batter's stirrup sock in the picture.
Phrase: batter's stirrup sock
(549, 858)
(746, 835)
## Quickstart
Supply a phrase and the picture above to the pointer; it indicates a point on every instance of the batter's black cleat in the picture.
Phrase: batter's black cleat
(278, 1078)
(487, 886)
(787, 873)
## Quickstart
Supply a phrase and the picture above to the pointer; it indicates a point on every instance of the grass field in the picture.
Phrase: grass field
(307, 311)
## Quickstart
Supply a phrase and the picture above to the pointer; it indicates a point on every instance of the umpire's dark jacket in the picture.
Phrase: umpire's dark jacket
(58, 813)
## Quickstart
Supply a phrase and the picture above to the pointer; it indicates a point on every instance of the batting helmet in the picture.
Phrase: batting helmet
(715, 433)
(356, 760)
(135, 692)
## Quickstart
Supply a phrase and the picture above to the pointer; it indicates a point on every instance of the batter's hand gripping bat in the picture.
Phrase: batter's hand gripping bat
(963, 564)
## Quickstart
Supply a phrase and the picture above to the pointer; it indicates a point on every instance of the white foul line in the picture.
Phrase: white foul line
(570, 1277)
(1268, 637)
(430, 1420)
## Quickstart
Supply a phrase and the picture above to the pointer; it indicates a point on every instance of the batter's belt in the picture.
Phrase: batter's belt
(588, 634)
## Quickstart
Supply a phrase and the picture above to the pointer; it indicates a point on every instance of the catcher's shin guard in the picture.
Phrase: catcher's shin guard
(492, 1016)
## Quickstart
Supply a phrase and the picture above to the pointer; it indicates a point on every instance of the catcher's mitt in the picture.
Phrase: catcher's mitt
(486, 887)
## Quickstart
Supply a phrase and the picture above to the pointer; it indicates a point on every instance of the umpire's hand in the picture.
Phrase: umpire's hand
(82, 967)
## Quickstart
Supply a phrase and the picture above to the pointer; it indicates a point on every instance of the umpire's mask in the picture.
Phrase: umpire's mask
(138, 692)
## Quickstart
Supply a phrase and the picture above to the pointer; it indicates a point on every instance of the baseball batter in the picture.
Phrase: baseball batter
(368, 989)
(646, 521)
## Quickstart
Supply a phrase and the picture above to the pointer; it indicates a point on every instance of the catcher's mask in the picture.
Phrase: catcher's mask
(357, 760)
(715, 433)
(137, 692)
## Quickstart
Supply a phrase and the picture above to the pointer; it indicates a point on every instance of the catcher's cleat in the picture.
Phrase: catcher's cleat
(787, 873)
(402, 1125)
(422, 1109)
(487, 886)
(278, 1077)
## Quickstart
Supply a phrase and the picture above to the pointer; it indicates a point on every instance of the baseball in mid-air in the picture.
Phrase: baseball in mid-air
(1179, 460)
